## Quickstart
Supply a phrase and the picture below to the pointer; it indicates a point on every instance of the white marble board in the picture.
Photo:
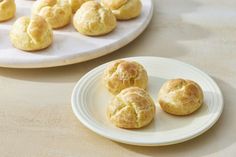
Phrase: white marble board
(69, 46)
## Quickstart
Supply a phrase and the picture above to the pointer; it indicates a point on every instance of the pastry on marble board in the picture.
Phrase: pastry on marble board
(76, 4)
(124, 9)
(56, 12)
(31, 34)
(180, 97)
(121, 74)
(131, 108)
(94, 20)
(7, 9)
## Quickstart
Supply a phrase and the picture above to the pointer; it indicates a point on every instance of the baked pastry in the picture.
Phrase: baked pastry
(131, 108)
(121, 74)
(56, 12)
(31, 34)
(7, 9)
(94, 20)
(76, 4)
(180, 97)
(124, 9)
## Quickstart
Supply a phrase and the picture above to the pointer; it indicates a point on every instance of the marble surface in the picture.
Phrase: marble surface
(35, 111)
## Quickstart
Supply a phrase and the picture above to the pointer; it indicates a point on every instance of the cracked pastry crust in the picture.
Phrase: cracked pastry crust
(123, 9)
(76, 4)
(131, 108)
(121, 74)
(56, 12)
(180, 97)
(94, 20)
(31, 34)
(7, 9)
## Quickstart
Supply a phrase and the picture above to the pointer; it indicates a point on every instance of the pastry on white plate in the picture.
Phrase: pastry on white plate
(121, 74)
(131, 108)
(76, 4)
(31, 34)
(7, 9)
(56, 12)
(180, 97)
(94, 20)
(124, 9)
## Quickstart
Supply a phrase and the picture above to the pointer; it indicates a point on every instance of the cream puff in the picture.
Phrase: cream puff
(76, 4)
(180, 97)
(121, 74)
(93, 20)
(7, 9)
(31, 34)
(56, 12)
(131, 108)
(124, 9)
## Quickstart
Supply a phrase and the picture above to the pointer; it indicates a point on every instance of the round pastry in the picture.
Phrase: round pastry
(7, 9)
(180, 97)
(123, 9)
(31, 34)
(121, 74)
(76, 4)
(56, 12)
(94, 20)
(131, 108)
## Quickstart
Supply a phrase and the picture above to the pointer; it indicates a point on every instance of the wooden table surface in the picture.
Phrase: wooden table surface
(36, 119)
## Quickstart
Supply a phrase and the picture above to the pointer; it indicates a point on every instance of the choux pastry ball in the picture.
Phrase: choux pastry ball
(124, 9)
(31, 34)
(131, 108)
(76, 4)
(180, 97)
(121, 74)
(56, 12)
(94, 20)
(7, 9)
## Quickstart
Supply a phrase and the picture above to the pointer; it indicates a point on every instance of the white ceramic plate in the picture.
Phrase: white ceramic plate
(90, 99)
(69, 46)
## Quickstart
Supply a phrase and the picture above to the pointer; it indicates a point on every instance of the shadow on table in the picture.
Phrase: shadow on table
(219, 137)
(163, 37)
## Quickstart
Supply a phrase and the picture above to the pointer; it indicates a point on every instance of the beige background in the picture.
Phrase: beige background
(36, 119)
